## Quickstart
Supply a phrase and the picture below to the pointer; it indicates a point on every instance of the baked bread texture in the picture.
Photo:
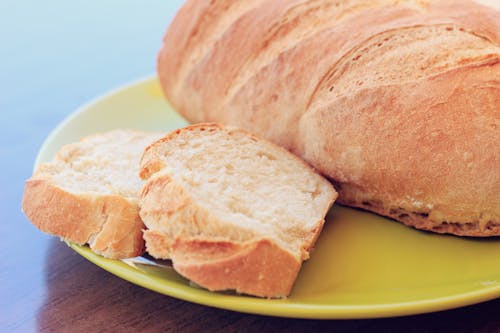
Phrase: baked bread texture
(397, 102)
(89, 193)
(232, 211)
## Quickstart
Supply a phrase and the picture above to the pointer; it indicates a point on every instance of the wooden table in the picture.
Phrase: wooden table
(54, 57)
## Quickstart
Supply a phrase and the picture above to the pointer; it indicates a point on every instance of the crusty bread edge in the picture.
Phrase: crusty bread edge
(249, 267)
(110, 224)
(413, 218)
(260, 267)
(150, 162)
(257, 267)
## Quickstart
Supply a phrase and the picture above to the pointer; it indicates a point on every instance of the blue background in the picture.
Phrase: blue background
(54, 57)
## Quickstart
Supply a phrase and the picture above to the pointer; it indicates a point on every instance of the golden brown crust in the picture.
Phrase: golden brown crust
(194, 30)
(253, 266)
(436, 171)
(208, 250)
(259, 268)
(445, 157)
(88, 193)
(110, 224)
(426, 141)
(157, 244)
(420, 221)
(416, 217)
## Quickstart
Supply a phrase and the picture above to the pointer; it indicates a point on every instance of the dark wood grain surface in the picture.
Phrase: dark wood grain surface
(63, 292)
(55, 56)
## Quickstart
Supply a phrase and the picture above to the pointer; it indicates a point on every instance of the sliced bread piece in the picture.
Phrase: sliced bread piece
(89, 193)
(232, 211)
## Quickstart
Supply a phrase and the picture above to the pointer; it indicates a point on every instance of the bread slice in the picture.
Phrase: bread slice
(232, 211)
(89, 193)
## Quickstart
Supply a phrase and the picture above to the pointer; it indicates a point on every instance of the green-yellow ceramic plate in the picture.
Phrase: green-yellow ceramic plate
(363, 265)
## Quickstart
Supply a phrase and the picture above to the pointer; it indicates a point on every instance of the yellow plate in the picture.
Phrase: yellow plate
(363, 266)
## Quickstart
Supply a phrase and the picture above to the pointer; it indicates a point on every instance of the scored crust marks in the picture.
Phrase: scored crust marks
(401, 55)
(228, 62)
(210, 24)
(300, 21)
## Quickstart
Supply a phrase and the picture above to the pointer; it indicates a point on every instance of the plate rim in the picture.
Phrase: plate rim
(277, 308)
(82, 108)
(258, 306)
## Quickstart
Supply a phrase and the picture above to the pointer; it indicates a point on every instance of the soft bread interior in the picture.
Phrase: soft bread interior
(100, 164)
(253, 189)
(88, 194)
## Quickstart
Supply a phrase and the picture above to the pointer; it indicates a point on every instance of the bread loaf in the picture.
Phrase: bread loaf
(89, 193)
(397, 102)
(231, 210)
